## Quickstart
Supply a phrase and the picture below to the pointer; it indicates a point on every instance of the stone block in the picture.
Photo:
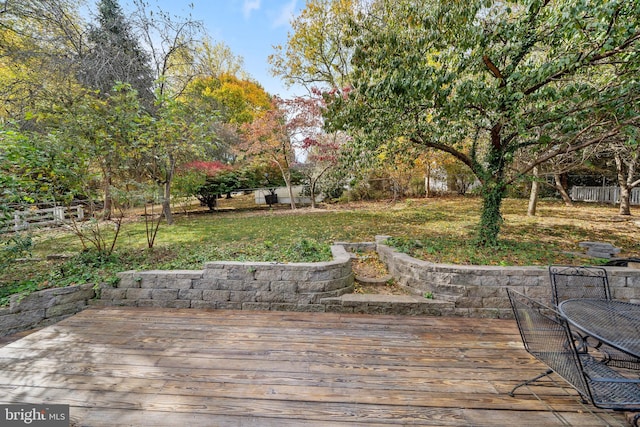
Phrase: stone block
(216, 295)
(228, 305)
(116, 303)
(295, 275)
(283, 307)
(284, 286)
(310, 308)
(466, 302)
(337, 308)
(79, 294)
(65, 309)
(214, 271)
(128, 279)
(20, 321)
(496, 302)
(316, 286)
(241, 272)
(269, 274)
(208, 284)
(324, 275)
(256, 306)
(241, 285)
(144, 303)
(204, 305)
(188, 274)
(179, 284)
(242, 296)
(113, 293)
(170, 303)
(190, 294)
(164, 294)
(138, 293)
(277, 297)
(35, 301)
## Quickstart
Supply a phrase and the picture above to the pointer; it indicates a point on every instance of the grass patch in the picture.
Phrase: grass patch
(437, 230)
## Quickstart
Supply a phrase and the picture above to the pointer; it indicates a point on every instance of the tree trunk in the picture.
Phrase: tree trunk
(166, 197)
(491, 218)
(625, 205)
(166, 203)
(293, 202)
(625, 191)
(561, 189)
(533, 196)
(427, 182)
(108, 198)
(493, 191)
(312, 191)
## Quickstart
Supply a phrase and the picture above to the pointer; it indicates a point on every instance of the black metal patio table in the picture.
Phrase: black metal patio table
(616, 323)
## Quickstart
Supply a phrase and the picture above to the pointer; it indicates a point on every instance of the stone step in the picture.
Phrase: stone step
(374, 280)
(449, 290)
(389, 304)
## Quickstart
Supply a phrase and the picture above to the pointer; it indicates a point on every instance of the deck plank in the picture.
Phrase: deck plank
(139, 366)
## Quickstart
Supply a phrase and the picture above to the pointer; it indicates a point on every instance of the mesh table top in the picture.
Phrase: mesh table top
(616, 323)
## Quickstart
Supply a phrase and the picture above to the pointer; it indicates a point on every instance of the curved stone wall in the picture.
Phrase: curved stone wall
(44, 307)
(237, 285)
(481, 291)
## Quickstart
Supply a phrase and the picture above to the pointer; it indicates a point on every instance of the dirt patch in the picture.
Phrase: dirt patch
(372, 276)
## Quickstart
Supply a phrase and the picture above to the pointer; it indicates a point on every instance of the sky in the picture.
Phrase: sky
(249, 27)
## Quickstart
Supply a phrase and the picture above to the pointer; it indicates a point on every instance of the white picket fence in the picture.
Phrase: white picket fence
(603, 195)
(35, 218)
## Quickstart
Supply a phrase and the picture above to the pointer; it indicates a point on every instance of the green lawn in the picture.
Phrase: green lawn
(439, 230)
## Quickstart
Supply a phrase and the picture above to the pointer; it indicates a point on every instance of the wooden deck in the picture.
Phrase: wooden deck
(148, 367)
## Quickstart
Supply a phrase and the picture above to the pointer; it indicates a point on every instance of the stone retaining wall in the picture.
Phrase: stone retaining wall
(481, 291)
(44, 308)
(470, 291)
(237, 285)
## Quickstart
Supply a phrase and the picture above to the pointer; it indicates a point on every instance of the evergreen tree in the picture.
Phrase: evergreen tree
(116, 55)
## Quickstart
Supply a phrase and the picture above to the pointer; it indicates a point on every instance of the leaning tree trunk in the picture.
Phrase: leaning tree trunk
(533, 196)
(625, 196)
(290, 188)
(563, 192)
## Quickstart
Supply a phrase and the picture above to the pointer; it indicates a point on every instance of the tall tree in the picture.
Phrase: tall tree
(270, 137)
(320, 150)
(173, 43)
(626, 153)
(536, 76)
(109, 131)
(318, 50)
(39, 43)
(115, 55)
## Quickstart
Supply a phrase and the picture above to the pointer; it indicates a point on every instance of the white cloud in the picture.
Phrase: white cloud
(285, 15)
(249, 6)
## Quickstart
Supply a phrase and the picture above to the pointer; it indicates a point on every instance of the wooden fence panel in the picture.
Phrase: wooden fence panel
(602, 195)
(35, 218)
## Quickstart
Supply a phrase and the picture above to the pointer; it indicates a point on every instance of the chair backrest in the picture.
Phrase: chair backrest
(578, 282)
(546, 336)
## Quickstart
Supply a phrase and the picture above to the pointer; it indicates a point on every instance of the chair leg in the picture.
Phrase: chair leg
(548, 372)
(636, 420)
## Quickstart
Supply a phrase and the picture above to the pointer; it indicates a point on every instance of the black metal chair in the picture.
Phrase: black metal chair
(569, 282)
(547, 336)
